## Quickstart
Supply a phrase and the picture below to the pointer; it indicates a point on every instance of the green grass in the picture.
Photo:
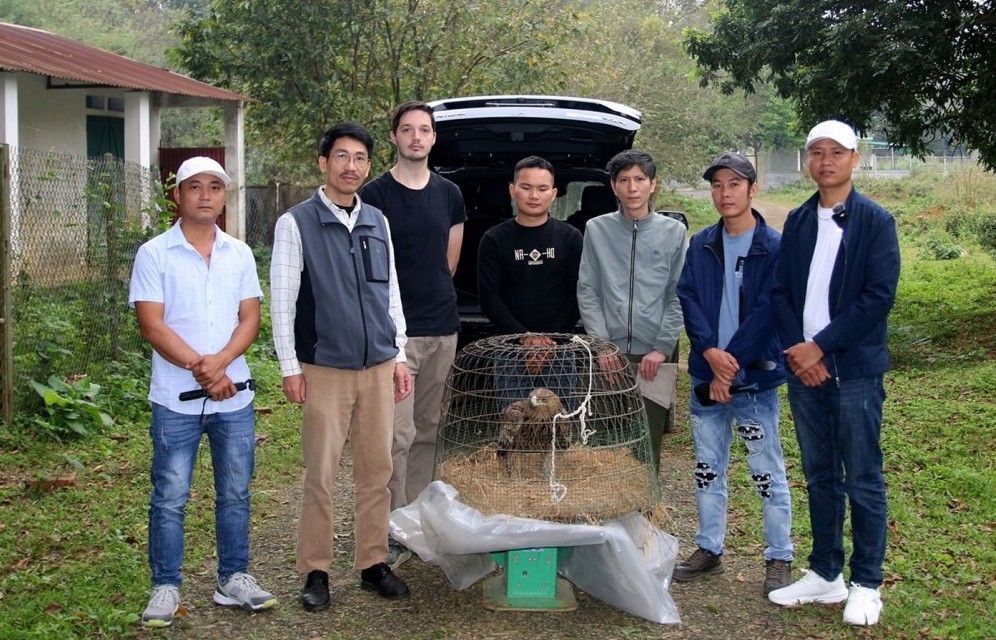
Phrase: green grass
(72, 558)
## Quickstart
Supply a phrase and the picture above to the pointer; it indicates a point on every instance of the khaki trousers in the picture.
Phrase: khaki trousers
(416, 418)
(359, 405)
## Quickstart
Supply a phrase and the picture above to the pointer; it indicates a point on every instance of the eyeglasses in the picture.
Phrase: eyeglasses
(342, 158)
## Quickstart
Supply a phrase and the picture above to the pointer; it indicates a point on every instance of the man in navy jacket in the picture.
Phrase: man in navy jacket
(736, 367)
(836, 283)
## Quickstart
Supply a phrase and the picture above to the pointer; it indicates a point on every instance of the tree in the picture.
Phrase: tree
(310, 63)
(925, 66)
(133, 28)
(633, 54)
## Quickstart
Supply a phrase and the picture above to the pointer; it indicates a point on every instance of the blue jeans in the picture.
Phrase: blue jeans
(176, 439)
(755, 417)
(838, 428)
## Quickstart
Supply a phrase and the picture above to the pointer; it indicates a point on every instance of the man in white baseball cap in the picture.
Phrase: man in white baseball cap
(835, 285)
(197, 296)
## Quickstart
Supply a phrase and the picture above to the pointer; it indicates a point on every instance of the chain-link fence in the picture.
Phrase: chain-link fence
(264, 204)
(72, 227)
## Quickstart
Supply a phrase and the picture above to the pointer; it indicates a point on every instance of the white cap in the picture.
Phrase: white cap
(834, 130)
(201, 164)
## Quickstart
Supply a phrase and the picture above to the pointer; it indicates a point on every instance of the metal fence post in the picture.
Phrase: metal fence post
(6, 325)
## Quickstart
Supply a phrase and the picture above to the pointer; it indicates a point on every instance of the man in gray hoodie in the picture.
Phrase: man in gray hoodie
(627, 286)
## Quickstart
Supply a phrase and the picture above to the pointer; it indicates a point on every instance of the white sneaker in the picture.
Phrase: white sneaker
(162, 606)
(810, 588)
(864, 606)
(241, 590)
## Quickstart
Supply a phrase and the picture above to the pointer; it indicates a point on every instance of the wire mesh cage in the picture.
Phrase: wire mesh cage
(554, 429)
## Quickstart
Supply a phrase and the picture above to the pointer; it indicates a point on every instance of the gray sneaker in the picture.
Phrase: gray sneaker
(397, 554)
(701, 563)
(162, 606)
(777, 575)
(241, 590)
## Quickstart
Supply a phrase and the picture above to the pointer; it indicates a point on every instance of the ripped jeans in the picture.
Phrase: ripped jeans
(754, 416)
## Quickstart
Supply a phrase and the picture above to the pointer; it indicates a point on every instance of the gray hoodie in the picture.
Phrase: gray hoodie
(627, 287)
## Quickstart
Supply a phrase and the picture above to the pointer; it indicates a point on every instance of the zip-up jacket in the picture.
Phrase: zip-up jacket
(350, 274)
(627, 286)
(700, 290)
(862, 286)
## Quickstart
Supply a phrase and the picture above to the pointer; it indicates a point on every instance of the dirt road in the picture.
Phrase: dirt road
(721, 606)
(774, 213)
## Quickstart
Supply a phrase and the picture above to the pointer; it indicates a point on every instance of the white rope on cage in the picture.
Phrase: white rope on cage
(557, 490)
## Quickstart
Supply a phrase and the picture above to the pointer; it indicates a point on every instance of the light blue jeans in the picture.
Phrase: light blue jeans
(755, 417)
(176, 439)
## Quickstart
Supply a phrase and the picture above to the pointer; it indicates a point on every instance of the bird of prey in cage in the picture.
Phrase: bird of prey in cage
(527, 425)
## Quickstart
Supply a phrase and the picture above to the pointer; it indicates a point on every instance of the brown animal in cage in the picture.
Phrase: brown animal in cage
(527, 428)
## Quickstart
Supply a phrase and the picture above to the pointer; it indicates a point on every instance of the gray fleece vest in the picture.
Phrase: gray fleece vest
(343, 319)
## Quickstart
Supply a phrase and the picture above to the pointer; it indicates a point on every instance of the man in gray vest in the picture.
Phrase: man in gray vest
(339, 333)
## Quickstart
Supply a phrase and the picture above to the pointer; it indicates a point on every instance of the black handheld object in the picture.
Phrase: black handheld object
(241, 386)
(702, 390)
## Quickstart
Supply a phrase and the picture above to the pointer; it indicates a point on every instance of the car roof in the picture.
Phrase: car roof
(498, 131)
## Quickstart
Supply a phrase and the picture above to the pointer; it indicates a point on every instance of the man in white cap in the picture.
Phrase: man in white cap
(835, 285)
(195, 291)
(735, 362)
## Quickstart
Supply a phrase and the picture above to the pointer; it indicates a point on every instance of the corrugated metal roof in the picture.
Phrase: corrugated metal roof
(44, 53)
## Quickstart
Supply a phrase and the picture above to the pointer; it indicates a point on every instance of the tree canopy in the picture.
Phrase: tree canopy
(926, 67)
(309, 64)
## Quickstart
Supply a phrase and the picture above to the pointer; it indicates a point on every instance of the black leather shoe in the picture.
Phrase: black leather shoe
(315, 595)
(381, 578)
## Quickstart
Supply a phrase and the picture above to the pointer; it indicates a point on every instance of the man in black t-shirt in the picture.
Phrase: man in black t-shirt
(527, 276)
(426, 213)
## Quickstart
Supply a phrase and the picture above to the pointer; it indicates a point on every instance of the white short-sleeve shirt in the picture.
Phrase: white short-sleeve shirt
(201, 306)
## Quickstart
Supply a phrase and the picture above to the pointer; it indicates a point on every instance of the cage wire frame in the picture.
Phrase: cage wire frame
(555, 432)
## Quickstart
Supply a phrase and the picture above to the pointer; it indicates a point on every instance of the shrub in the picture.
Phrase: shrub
(70, 408)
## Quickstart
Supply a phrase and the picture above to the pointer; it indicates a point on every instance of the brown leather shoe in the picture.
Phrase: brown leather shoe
(379, 577)
(315, 595)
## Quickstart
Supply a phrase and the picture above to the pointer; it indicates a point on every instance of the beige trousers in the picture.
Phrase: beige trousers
(359, 405)
(416, 418)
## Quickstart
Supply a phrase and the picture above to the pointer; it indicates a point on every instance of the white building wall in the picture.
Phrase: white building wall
(51, 119)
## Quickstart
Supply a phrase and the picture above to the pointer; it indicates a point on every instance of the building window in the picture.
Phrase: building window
(95, 102)
(115, 104)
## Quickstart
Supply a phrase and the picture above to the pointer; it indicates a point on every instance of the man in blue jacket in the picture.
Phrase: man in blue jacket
(736, 367)
(835, 285)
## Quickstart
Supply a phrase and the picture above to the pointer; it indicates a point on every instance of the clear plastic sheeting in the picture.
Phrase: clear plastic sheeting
(626, 563)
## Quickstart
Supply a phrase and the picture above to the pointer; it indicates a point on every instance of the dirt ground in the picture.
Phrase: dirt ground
(722, 606)
(730, 605)
(774, 213)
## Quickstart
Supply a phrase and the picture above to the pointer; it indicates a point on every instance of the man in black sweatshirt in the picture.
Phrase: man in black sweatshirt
(527, 273)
